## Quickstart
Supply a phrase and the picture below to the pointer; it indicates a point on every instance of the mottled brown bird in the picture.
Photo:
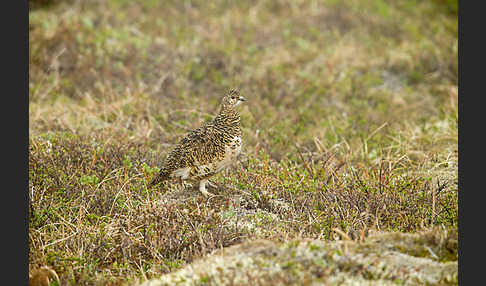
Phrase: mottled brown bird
(207, 150)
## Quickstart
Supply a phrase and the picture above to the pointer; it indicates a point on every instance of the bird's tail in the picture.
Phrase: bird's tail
(153, 182)
(162, 176)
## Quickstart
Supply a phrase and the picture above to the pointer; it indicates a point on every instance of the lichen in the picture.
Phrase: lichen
(382, 259)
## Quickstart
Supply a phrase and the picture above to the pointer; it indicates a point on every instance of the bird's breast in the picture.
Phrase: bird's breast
(231, 151)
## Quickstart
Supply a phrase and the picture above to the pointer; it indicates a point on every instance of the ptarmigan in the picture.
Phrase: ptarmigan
(207, 150)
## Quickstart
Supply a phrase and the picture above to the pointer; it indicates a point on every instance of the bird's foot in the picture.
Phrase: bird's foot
(187, 185)
(213, 185)
(202, 188)
(207, 194)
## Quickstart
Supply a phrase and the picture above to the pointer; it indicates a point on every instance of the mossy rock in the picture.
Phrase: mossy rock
(428, 257)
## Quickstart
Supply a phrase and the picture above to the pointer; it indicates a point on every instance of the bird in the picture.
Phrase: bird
(208, 149)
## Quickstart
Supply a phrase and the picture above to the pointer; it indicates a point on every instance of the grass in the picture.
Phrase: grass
(350, 127)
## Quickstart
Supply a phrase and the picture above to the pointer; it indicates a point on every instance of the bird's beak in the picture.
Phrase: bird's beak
(242, 98)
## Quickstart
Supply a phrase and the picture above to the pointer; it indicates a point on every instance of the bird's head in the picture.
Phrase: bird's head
(232, 99)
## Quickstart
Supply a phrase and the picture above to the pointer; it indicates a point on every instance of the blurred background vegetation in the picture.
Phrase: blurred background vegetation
(334, 71)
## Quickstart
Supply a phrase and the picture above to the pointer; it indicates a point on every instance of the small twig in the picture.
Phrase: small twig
(303, 160)
(333, 174)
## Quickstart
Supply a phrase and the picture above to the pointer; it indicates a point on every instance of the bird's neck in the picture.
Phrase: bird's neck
(227, 111)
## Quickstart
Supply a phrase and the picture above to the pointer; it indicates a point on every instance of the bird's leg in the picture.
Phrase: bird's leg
(202, 188)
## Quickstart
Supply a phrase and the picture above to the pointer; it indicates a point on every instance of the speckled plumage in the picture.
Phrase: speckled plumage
(206, 150)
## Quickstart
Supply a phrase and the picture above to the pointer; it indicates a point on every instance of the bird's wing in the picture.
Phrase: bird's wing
(202, 145)
(199, 147)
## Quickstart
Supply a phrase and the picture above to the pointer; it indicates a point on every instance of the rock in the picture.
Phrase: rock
(428, 257)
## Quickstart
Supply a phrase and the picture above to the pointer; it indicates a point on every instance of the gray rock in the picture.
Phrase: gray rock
(428, 257)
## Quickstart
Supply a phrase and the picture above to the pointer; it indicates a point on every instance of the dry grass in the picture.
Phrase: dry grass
(350, 126)
(91, 214)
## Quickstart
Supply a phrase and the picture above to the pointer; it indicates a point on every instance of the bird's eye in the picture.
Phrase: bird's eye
(232, 97)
